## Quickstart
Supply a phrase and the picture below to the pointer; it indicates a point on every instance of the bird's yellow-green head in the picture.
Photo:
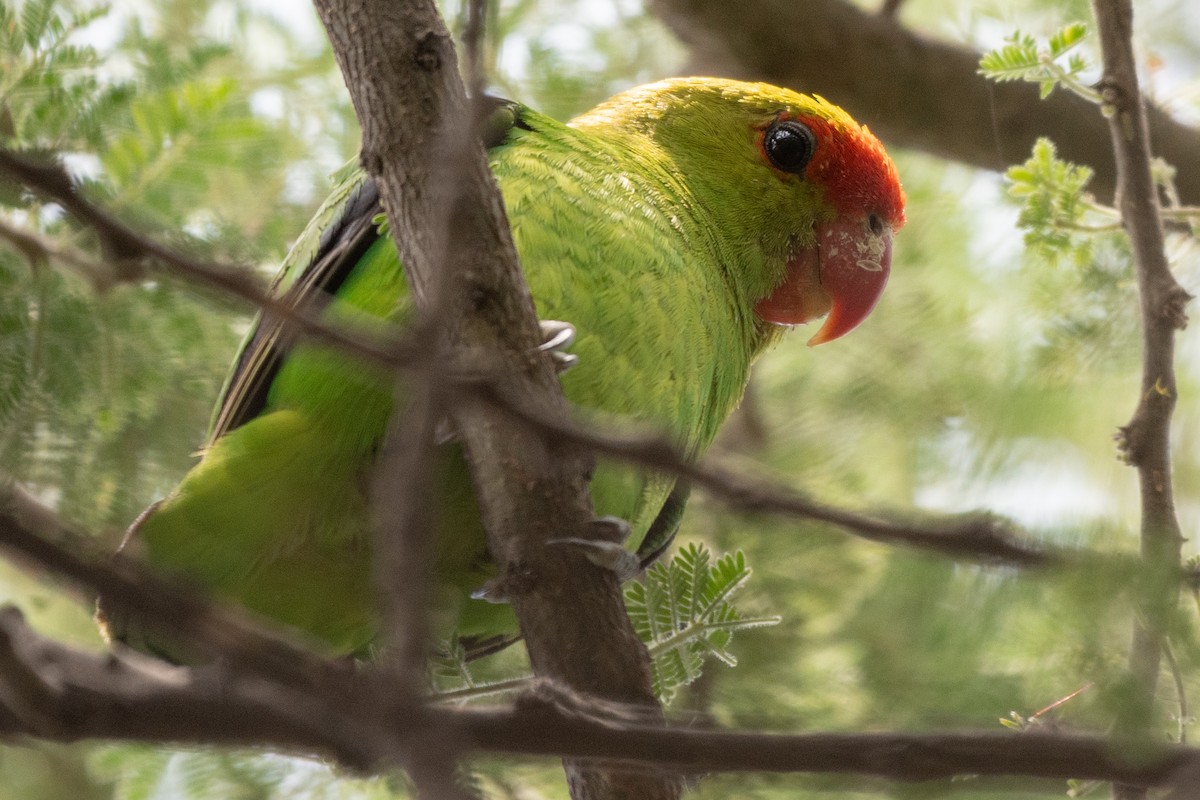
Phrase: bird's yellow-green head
(806, 196)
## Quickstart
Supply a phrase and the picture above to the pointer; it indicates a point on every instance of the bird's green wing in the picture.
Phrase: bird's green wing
(347, 230)
(331, 246)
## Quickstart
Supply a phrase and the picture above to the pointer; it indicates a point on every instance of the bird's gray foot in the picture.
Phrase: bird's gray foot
(557, 336)
(491, 592)
(605, 548)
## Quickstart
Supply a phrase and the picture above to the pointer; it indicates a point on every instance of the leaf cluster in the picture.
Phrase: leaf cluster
(1054, 202)
(683, 611)
(52, 93)
(1048, 64)
(103, 397)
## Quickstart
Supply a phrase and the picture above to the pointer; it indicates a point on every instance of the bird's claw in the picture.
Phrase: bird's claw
(556, 337)
(444, 432)
(610, 529)
(491, 592)
(605, 549)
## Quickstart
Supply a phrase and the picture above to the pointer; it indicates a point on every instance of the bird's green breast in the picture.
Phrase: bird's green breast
(621, 250)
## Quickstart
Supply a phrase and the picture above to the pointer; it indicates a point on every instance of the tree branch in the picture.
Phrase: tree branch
(54, 692)
(910, 89)
(1146, 439)
(980, 537)
(401, 70)
(129, 250)
(175, 611)
(38, 250)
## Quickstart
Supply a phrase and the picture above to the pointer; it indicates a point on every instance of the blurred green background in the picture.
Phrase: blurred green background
(991, 376)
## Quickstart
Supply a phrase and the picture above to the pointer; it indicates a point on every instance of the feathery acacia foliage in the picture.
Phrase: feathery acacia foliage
(682, 610)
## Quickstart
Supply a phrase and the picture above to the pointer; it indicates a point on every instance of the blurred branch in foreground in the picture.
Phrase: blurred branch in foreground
(51, 691)
(980, 537)
(452, 235)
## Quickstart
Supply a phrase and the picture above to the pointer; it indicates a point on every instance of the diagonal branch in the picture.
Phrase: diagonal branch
(57, 693)
(980, 537)
(129, 250)
(215, 631)
(38, 250)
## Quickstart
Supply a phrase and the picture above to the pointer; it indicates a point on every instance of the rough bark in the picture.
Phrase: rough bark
(449, 224)
(58, 693)
(1146, 440)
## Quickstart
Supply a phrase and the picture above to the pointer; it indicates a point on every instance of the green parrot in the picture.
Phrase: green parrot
(679, 227)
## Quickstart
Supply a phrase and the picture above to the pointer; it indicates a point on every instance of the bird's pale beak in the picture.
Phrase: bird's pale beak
(842, 273)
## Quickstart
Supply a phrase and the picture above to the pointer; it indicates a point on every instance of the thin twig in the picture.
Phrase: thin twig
(39, 250)
(982, 537)
(405, 523)
(473, 37)
(125, 246)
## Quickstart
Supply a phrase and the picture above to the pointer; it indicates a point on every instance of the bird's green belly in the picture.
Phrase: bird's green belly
(295, 543)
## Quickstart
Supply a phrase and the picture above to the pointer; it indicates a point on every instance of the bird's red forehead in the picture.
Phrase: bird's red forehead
(854, 169)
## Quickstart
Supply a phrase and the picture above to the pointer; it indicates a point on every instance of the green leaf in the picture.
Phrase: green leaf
(1055, 207)
(1024, 58)
(682, 610)
(1067, 38)
(36, 16)
(1014, 61)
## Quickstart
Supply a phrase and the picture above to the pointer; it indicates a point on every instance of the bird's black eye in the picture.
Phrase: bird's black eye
(790, 145)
